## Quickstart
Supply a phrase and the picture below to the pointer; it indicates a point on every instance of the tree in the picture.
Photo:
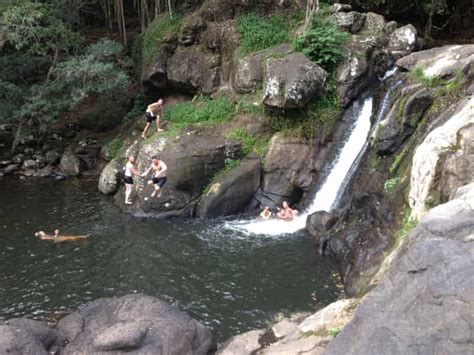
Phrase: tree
(312, 6)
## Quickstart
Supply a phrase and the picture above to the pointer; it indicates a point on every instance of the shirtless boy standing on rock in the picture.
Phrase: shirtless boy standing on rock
(152, 114)
(159, 176)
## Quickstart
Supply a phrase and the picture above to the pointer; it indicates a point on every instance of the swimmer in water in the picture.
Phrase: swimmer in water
(287, 213)
(266, 213)
(59, 238)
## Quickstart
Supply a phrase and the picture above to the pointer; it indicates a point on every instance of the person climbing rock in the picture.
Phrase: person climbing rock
(159, 176)
(130, 171)
(286, 212)
(152, 114)
(266, 213)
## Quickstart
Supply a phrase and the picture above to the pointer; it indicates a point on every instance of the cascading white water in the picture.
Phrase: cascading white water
(328, 193)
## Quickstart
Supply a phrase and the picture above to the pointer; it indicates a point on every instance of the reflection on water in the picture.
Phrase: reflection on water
(232, 282)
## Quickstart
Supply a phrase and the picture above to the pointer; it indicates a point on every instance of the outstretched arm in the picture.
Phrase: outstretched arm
(146, 172)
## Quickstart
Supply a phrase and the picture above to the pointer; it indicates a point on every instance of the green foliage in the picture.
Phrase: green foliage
(418, 75)
(113, 147)
(105, 50)
(201, 110)
(32, 27)
(334, 331)
(157, 32)
(70, 83)
(138, 105)
(249, 143)
(322, 42)
(258, 32)
(391, 185)
(406, 225)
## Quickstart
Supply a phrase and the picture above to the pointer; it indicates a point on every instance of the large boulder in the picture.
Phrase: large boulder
(402, 41)
(440, 61)
(193, 158)
(249, 71)
(233, 192)
(351, 22)
(424, 303)
(242, 344)
(288, 168)
(136, 324)
(109, 180)
(292, 81)
(402, 119)
(29, 337)
(430, 155)
(194, 69)
(70, 164)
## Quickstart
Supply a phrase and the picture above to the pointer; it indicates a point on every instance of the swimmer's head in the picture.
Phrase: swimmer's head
(285, 204)
(40, 234)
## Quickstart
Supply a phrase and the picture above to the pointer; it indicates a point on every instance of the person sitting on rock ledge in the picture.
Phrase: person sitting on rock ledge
(159, 176)
(59, 238)
(266, 213)
(286, 213)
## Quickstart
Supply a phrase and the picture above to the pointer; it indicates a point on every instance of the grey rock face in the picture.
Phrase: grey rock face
(402, 41)
(70, 163)
(424, 303)
(440, 61)
(337, 7)
(242, 344)
(351, 22)
(402, 119)
(374, 22)
(109, 180)
(250, 70)
(233, 192)
(29, 337)
(137, 324)
(292, 81)
(194, 69)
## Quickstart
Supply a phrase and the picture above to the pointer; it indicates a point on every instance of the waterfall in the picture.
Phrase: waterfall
(327, 194)
(342, 169)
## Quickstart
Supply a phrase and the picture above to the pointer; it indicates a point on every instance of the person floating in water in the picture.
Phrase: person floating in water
(266, 213)
(152, 114)
(59, 238)
(159, 176)
(130, 171)
(287, 213)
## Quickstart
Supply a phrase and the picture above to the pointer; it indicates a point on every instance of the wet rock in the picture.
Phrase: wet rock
(194, 69)
(232, 193)
(337, 7)
(433, 270)
(52, 157)
(351, 22)
(242, 344)
(390, 27)
(288, 168)
(137, 323)
(319, 223)
(156, 75)
(430, 155)
(402, 41)
(29, 164)
(70, 164)
(109, 180)
(311, 344)
(402, 119)
(11, 168)
(292, 81)
(193, 158)
(29, 172)
(44, 172)
(18, 159)
(26, 336)
(440, 61)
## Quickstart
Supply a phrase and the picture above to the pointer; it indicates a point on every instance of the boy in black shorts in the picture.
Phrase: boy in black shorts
(159, 175)
(152, 114)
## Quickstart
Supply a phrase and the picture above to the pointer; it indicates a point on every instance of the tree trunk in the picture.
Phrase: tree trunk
(170, 11)
(312, 6)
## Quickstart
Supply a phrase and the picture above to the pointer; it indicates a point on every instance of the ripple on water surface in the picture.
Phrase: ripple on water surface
(228, 280)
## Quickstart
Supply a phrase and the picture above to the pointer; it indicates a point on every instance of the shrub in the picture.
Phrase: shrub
(201, 110)
(391, 185)
(249, 143)
(322, 42)
(113, 147)
(418, 75)
(257, 32)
